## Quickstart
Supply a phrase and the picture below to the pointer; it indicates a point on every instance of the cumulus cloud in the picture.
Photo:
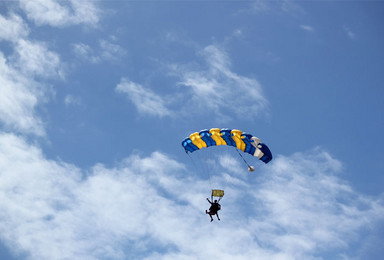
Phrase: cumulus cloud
(145, 100)
(35, 59)
(21, 92)
(296, 208)
(309, 208)
(12, 28)
(61, 13)
(19, 97)
(21, 78)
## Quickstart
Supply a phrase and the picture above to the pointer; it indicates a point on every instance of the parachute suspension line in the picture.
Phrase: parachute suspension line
(237, 150)
(200, 166)
(204, 167)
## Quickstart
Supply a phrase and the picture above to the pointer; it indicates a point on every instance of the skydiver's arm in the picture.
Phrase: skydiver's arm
(209, 201)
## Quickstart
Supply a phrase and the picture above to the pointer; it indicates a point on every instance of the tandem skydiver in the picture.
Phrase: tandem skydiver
(215, 207)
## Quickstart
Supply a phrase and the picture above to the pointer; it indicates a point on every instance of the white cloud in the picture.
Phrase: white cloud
(20, 79)
(21, 93)
(153, 208)
(111, 51)
(256, 7)
(145, 100)
(309, 208)
(307, 28)
(218, 89)
(61, 13)
(292, 8)
(19, 97)
(71, 100)
(48, 212)
(106, 51)
(35, 59)
(349, 32)
(259, 6)
(13, 28)
(86, 52)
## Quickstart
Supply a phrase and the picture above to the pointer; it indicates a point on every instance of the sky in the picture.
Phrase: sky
(96, 97)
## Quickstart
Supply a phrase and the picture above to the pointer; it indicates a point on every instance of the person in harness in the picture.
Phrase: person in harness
(215, 207)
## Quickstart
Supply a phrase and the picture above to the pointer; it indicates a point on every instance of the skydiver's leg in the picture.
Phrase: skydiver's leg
(217, 214)
(210, 214)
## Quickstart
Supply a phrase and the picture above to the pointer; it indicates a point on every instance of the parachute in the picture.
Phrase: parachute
(242, 141)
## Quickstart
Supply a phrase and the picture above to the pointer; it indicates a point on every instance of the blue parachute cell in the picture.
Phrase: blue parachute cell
(249, 148)
(206, 136)
(227, 136)
(267, 157)
(188, 145)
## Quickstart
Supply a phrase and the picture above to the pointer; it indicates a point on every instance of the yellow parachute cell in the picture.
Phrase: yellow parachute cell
(216, 135)
(236, 136)
(196, 140)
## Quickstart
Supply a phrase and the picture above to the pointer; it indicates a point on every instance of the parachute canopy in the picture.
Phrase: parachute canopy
(215, 136)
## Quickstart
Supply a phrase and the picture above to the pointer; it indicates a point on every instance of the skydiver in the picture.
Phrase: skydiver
(215, 207)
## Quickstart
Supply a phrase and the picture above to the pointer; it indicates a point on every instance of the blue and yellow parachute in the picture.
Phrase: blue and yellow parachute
(215, 136)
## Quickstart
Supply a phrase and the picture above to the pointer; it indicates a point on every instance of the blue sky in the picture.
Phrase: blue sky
(96, 97)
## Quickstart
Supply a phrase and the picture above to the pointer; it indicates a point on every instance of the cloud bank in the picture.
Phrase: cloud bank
(153, 208)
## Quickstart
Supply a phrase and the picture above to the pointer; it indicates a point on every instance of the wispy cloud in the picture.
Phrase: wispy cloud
(61, 13)
(213, 90)
(71, 100)
(145, 100)
(292, 8)
(218, 89)
(307, 28)
(296, 208)
(258, 7)
(106, 51)
(349, 32)
(111, 51)
(85, 51)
